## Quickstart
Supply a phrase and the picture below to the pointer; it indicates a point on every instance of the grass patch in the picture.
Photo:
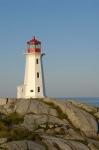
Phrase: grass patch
(61, 115)
(6, 125)
(13, 118)
(2, 126)
(4, 134)
(37, 99)
(19, 134)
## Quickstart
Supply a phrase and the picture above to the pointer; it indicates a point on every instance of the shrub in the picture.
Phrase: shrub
(19, 134)
(23, 134)
(2, 126)
(4, 134)
(13, 118)
(3, 130)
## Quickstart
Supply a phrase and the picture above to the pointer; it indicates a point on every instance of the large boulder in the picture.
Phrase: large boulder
(93, 144)
(80, 119)
(8, 108)
(51, 143)
(22, 145)
(73, 135)
(32, 122)
(88, 108)
(61, 144)
(60, 124)
(27, 106)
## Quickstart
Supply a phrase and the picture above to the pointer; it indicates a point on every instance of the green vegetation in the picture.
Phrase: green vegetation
(4, 133)
(9, 130)
(19, 134)
(2, 126)
(61, 115)
(6, 126)
(37, 99)
(13, 118)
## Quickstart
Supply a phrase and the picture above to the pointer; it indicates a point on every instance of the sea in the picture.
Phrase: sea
(89, 100)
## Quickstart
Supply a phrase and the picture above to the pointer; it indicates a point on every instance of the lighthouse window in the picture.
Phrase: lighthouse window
(31, 90)
(37, 74)
(36, 61)
(32, 46)
(38, 89)
(37, 46)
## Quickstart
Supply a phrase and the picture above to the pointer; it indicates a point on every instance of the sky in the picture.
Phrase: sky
(69, 32)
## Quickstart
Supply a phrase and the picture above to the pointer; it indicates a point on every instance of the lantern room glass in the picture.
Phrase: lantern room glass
(33, 46)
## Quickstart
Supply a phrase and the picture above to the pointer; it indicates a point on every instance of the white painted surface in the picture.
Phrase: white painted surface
(31, 83)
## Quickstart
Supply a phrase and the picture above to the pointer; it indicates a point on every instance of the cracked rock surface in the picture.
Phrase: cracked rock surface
(48, 124)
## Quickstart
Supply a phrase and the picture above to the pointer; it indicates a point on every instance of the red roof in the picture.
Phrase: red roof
(34, 41)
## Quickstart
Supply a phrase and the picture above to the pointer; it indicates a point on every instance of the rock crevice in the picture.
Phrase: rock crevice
(48, 124)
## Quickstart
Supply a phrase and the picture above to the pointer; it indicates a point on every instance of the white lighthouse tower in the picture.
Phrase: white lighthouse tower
(33, 86)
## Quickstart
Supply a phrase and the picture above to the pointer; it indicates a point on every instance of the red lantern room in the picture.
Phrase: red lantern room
(33, 46)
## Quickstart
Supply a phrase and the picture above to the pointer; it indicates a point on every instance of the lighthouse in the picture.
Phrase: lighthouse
(33, 86)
